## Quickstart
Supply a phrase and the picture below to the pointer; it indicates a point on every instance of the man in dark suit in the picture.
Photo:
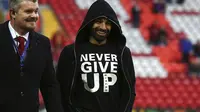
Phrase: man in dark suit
(26, 62)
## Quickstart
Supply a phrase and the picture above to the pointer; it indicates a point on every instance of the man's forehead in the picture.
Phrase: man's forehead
(29, 4)
(103, 18)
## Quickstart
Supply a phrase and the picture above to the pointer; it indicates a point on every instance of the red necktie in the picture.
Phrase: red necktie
(21, 45)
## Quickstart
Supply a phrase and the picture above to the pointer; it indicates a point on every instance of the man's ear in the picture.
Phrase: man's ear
(13, 13)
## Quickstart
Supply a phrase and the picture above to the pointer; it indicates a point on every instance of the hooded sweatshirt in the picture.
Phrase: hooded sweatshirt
(68, 65)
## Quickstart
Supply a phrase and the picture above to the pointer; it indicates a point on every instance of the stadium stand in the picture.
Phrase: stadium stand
(189, 12)
(49, 21)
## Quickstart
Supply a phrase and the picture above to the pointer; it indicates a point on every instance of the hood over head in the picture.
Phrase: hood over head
(99, 9)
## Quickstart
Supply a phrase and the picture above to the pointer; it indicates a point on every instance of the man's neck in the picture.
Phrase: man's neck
(17, 29)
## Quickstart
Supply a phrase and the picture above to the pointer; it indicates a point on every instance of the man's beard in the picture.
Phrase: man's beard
(97, 37)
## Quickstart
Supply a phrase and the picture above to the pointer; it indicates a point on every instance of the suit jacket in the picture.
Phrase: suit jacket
(19, 86)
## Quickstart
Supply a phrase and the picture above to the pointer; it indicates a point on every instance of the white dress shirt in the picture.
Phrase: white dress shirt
(14, 34)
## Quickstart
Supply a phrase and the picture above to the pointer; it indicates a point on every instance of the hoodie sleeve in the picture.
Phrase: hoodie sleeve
(131, 73)
(64, 75)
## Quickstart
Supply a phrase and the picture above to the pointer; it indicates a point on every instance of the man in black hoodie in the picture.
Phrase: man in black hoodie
(96, 73)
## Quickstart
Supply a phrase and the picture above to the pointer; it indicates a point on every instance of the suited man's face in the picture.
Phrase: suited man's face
(26, 16)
